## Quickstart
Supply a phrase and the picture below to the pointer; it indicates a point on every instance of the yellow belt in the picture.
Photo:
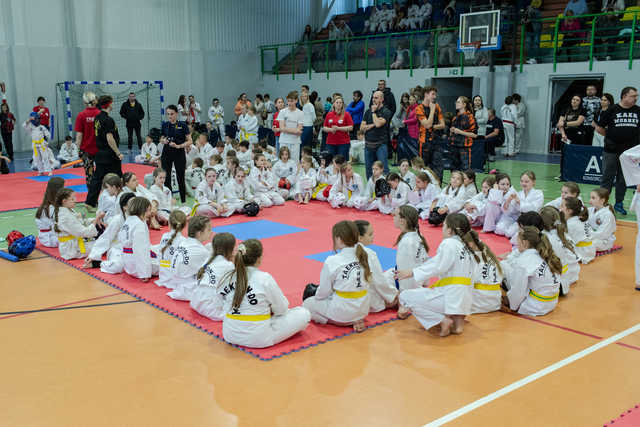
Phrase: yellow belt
(244, 135)
(249, 317)
(35, 147)
(465, 281)
(318, 189)
(535, 295)
(487, 286)
(79, 239)
(165, 263)
(565, 268)
(583, 244)
(352, 295)
(193, 210)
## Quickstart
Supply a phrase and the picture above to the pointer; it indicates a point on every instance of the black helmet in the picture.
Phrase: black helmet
(309, 291)
(251, 209)
(382, 187)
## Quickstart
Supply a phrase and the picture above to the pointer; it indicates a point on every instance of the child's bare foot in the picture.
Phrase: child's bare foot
(306, 199)
(458, 324)
(403, 312)
(359, 326)
(445, 326)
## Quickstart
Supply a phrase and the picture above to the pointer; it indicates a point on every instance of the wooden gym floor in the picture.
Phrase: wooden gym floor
(93, 356)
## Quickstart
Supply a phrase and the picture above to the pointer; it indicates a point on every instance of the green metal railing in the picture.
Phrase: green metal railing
(553, 45)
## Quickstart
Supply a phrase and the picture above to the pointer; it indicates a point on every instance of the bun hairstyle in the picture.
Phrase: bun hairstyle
(222, 244)
(410, 215)
(89, 98)
(603, 194)
(62, 195)
(248, 254)
(198, 224)
(53, 186)
(177, 222)
(576, 208)
(347, 231)
(540, 243)
(124, 201)
(553, 219)
(138, 206)
(532, 219)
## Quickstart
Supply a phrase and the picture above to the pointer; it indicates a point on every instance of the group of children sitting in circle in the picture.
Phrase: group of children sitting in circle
(222, 280)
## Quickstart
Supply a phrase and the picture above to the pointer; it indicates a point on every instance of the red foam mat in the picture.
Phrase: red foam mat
(615, 248)
(284, 258)
(629, 418)
(17, 191)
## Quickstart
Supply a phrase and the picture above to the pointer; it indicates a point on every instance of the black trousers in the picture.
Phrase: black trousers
(96, 180)
(130, 130)
(433, 157)
(8, 143)
(179, 160)
(460, 158)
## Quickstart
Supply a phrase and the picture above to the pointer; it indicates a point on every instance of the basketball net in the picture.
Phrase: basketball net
(469, 50)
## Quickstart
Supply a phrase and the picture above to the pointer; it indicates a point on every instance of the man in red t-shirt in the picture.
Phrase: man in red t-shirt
(43, 112)
(85, 133)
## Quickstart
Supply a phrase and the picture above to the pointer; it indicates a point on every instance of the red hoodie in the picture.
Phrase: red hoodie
(413, 127)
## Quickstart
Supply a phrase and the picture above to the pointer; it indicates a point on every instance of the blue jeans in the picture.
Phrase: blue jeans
(343, 149)
(307, 136)
(373, 154)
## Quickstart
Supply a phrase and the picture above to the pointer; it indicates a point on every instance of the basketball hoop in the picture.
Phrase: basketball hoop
(469, 50)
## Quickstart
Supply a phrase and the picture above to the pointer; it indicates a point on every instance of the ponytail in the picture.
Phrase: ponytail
(459, 224)
(487, 254)
(222, 244)
(540, 243)
(363, 259)
(177, 222)
(603, 194)
(410, 215)
(553, 219)
(575, 206)
(248, 254)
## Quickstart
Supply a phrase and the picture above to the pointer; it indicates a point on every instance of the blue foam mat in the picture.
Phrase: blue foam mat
(80, 188)
(387, 256)
(259, 229)
(45, 178)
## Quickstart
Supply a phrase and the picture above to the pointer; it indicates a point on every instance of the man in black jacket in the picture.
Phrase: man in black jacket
(133, 113)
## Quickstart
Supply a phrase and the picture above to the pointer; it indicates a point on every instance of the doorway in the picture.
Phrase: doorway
(562, 90)
(450, 88)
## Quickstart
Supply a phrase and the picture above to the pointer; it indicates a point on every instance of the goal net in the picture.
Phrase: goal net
(148, 93)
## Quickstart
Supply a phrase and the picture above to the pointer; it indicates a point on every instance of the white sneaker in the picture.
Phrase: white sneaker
(531, 61)
(568, 142)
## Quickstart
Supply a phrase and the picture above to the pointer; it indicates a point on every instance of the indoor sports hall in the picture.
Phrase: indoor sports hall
(170, 169)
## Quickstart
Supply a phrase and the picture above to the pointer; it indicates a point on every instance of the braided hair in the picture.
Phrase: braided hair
(459, 225)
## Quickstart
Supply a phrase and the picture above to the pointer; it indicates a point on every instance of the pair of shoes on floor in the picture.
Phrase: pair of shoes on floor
(618, 207)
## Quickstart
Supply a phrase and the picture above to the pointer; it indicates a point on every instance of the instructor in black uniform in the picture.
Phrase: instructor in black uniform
(108, 159)
(132, 111)
(175, 137)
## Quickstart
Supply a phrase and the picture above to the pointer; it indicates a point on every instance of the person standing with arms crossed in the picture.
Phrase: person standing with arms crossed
(620, 126)
(175, 137)
(429, 115)
(108, 157)
(375, 125)
(291, 121)
(132, 111)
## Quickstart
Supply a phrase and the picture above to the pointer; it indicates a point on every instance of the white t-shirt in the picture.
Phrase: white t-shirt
(291, 120)
(309, 112)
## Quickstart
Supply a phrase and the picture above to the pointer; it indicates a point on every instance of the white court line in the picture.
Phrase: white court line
(541, 373)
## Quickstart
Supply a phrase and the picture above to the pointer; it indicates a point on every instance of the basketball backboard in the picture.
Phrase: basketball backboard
(481, 28)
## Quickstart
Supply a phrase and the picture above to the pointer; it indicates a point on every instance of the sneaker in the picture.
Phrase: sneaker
(618, 207)
(531, 61)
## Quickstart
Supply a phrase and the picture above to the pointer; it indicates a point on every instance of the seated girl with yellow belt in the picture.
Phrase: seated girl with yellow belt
(72, 230)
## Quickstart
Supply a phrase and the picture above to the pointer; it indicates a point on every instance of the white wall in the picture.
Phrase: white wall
(533, 84)
(205, 47)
